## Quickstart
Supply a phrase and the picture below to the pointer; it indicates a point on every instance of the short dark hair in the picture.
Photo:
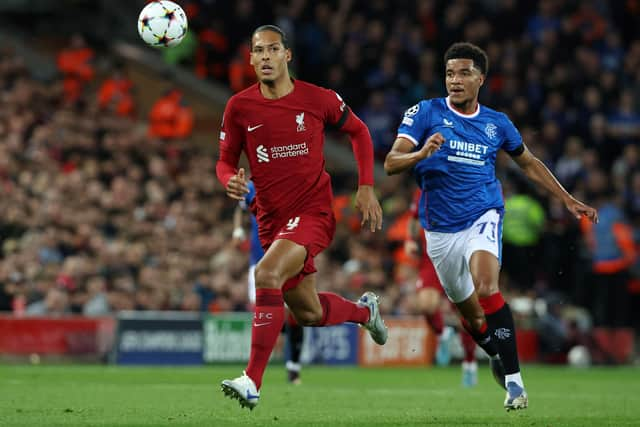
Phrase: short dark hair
(464, 50)
(275, 29)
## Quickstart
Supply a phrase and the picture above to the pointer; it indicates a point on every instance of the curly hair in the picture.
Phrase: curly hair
(464, 50)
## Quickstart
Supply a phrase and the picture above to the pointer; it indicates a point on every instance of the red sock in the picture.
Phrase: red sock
(492, 303)
(337, 310)
(268, 319)
(469, 346)
(436, 321)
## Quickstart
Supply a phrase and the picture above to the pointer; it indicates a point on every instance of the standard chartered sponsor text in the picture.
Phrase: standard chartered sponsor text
(291, 150)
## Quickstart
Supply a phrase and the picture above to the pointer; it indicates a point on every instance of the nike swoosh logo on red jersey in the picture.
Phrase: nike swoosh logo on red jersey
(261, 324)
(252, 128)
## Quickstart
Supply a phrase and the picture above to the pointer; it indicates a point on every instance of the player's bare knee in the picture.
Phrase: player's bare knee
(428, 301)
(485, 286)
(429, 307)
(266, 278)
(308, 317)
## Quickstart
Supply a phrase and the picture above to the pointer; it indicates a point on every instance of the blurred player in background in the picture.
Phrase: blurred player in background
(279, 124)
(452, 143)
(429, 301)
(295, 332)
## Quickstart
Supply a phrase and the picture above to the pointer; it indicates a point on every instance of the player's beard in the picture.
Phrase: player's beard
(268, 81)
(462, 105)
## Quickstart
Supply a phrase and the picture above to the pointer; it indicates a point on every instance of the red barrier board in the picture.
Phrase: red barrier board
(65, 335)
(410, 343)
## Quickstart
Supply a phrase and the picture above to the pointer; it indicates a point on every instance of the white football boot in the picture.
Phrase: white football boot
(376, 327)
(242, 388)
(516, 397)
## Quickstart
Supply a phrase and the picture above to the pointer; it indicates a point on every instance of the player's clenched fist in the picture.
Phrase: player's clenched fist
(237, 186)
(433, 144)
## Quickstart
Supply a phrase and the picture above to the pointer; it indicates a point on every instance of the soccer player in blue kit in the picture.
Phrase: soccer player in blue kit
(294, 331)
(452, 145)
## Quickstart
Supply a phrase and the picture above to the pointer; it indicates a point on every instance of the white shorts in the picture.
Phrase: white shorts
(451, 253)
(252, 284)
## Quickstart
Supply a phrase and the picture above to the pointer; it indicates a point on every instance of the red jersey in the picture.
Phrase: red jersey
(283, 140)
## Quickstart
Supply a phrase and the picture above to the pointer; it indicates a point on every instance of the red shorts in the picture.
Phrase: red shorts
(314, 232)
(428, 278)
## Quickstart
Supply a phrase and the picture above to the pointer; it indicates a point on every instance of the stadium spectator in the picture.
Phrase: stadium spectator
(55, 303)
(569, 165)
(613, 252)
(241, 74)
(379, 119)
(212, 51)
(97, 300)
(624, 121)
(115, 93)
(75, 64)
(170, 118)
(524, 221)
(588, 23)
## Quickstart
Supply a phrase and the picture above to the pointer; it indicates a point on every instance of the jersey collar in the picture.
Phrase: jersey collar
(466, 116)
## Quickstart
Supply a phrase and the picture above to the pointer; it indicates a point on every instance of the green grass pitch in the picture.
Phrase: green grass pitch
(131, 396)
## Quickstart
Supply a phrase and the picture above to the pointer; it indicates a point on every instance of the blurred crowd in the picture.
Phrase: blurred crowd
(566, 73)
(101, 211)
(98, 214)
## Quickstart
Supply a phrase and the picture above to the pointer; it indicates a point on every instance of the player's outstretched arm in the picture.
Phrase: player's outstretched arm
(540, 174)
(402, 157)
(366, 200)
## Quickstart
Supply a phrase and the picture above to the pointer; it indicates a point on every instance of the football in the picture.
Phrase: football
(162, 23)
(579, 357)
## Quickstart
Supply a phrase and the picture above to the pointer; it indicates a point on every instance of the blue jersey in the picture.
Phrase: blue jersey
(256, 248)
(458, 181)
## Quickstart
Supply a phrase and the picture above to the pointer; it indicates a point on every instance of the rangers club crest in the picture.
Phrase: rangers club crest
(502, 333)
(491, 130)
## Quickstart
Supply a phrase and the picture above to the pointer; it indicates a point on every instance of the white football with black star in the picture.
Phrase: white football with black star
(162, 23)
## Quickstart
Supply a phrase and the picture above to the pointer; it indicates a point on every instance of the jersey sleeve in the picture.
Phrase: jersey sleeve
(512, 140)
(231, 139)
(415, 123)
(335, 111)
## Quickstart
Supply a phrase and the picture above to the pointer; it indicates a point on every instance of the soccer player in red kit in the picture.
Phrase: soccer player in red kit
(430, 297)
(279, 124)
